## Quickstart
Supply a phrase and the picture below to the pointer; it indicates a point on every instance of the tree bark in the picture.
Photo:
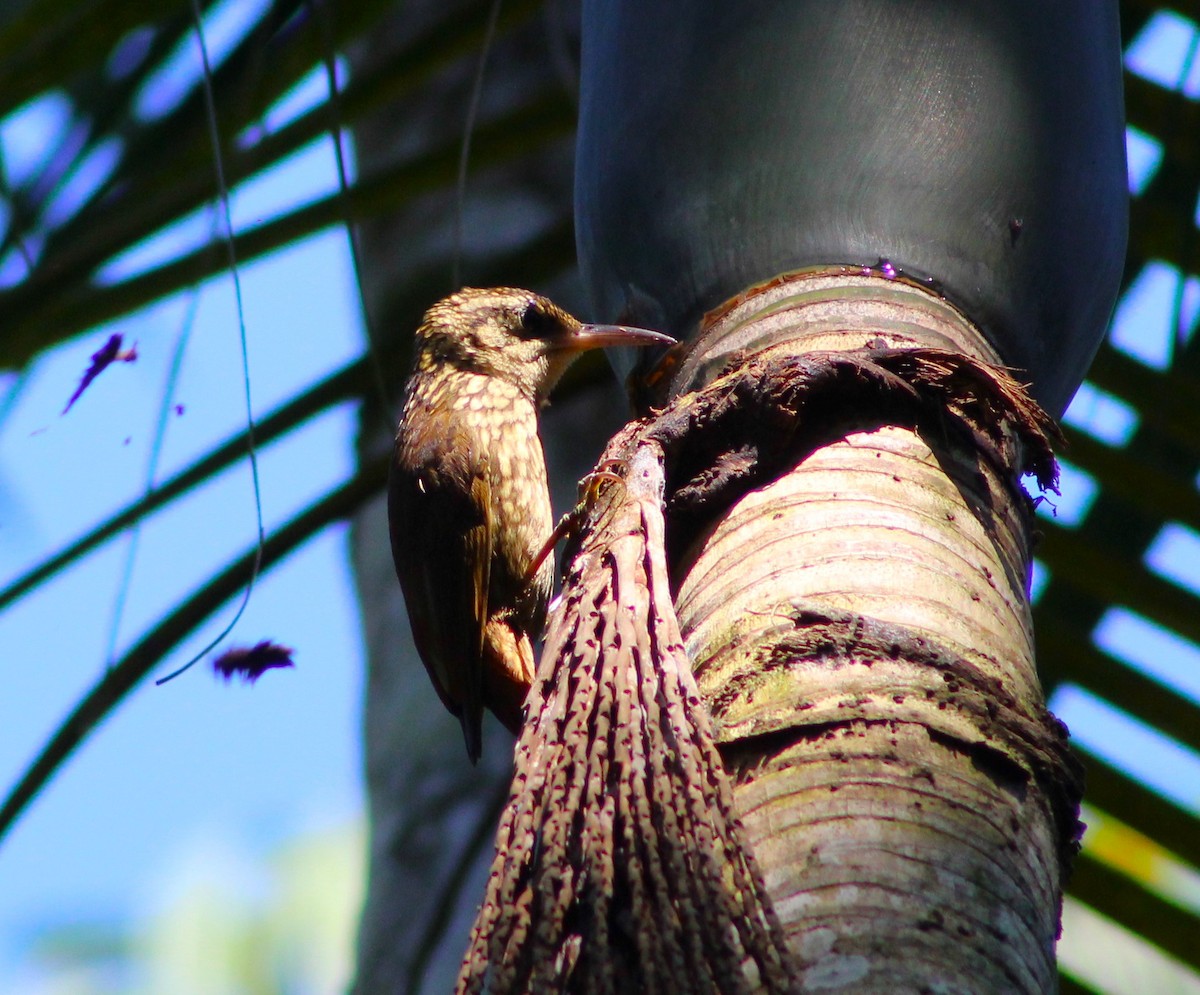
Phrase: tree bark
(860, 627)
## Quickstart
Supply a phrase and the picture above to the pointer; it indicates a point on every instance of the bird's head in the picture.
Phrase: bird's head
(515, 334)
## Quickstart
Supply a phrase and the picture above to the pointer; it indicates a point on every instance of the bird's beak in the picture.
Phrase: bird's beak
(588, 336)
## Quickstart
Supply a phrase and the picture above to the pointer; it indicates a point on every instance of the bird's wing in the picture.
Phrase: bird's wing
(480, 542)
(442, 532)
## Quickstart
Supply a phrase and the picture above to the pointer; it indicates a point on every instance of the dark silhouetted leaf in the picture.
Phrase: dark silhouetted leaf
(109, 353)
(251, 662)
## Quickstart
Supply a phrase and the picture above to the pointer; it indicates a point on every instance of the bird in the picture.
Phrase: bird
(468, 498)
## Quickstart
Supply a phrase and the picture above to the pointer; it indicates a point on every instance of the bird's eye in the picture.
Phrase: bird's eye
(537, 323)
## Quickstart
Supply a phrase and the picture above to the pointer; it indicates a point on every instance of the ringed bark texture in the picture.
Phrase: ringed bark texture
(859, 626)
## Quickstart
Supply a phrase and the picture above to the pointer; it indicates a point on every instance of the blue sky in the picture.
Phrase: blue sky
(195, 757)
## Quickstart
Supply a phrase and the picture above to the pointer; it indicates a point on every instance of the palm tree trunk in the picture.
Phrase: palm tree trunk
(861, 629)
(860, 625)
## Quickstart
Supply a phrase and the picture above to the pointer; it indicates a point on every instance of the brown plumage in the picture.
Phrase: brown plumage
(468, 502)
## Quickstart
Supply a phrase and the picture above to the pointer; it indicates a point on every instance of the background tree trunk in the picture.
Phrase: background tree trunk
(432, 814)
